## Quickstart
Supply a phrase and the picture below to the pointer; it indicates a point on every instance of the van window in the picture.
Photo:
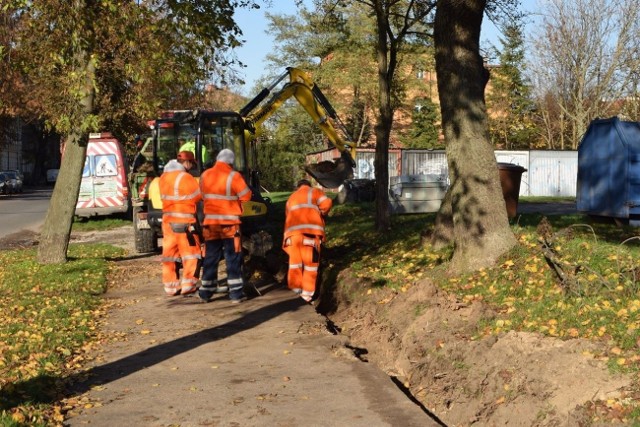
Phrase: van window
(86, 172)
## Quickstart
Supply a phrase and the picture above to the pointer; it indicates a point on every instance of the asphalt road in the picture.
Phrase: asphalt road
(25, 211)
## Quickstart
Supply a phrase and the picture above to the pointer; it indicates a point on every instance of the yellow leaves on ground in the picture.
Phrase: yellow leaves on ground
(508, 263)
(573, 332)
(400, 267)
(49, 317)
(599, 300)
(387, 299)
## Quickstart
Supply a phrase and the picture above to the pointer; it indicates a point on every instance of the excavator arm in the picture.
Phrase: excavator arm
(328, 174)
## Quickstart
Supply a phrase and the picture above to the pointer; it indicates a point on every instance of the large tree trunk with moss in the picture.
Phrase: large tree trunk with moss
(481, 231)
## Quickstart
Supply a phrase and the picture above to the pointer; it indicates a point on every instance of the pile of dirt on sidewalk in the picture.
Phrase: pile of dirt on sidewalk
(425, 339)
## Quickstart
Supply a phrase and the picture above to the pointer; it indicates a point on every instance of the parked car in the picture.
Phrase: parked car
(52, 175)
(15, 182)
(4, 184)
(20, 175)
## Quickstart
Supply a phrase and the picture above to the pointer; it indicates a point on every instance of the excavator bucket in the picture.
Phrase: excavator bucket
(331, 174)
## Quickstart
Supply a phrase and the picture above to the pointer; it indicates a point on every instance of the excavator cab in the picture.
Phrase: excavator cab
(202, 132)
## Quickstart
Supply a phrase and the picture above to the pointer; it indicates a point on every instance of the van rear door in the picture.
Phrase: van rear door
(104, 189)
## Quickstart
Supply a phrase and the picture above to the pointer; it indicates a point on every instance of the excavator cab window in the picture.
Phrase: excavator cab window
(165, 138)
(220, 132)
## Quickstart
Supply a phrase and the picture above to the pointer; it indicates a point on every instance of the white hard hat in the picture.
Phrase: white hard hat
(226, 156)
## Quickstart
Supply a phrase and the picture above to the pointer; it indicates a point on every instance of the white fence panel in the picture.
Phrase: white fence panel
(365, 168)
(549, 173)
(555, 172)
(425, 162)
(365, 165)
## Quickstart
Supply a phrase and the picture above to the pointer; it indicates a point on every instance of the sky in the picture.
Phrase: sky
(258, 43)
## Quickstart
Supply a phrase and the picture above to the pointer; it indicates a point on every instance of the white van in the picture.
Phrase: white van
(104, 189)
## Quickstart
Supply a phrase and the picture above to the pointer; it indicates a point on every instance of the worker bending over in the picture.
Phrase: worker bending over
(304, 233)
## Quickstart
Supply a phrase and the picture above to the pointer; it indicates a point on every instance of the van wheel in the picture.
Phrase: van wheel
(145, 240)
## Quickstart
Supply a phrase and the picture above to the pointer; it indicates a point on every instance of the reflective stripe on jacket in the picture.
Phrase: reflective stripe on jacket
(223, 191)
(179, 193)
(305, 211)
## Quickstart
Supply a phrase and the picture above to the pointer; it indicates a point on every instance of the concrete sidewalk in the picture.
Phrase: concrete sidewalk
(269, 361)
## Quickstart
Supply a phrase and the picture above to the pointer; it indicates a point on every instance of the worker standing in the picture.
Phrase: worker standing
(304, 233)
(223, 190)
(190, 145)
(180, 194)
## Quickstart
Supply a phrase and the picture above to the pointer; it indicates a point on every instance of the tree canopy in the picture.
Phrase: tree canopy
(95, 65)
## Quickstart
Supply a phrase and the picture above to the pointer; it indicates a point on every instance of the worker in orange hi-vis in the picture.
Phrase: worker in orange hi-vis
(304, 233)
(223, 191)
(180, 194)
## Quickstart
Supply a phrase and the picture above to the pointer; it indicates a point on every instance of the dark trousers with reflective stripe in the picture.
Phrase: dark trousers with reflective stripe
(214, 250)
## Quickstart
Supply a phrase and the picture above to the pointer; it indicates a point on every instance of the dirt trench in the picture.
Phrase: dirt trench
(424, 338)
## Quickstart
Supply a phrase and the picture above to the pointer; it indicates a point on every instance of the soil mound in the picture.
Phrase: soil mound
(426, 339)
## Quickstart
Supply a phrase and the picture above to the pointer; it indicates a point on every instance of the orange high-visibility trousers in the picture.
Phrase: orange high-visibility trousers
(176, 249)
(304, 260)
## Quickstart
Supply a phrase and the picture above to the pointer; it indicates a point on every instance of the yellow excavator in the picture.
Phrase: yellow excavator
(206, 132)
(310, 97)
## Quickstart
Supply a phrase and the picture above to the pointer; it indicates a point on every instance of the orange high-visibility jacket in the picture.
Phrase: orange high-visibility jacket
(223, 191)
(305, 211)
(180, 193)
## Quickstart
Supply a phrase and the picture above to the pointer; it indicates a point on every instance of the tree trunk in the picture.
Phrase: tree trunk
(56, 231)
(385, 121)
(481, 231)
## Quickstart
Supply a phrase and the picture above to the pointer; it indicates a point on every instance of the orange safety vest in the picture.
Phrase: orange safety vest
(179, 193)
(305, 212)
(223, 191)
